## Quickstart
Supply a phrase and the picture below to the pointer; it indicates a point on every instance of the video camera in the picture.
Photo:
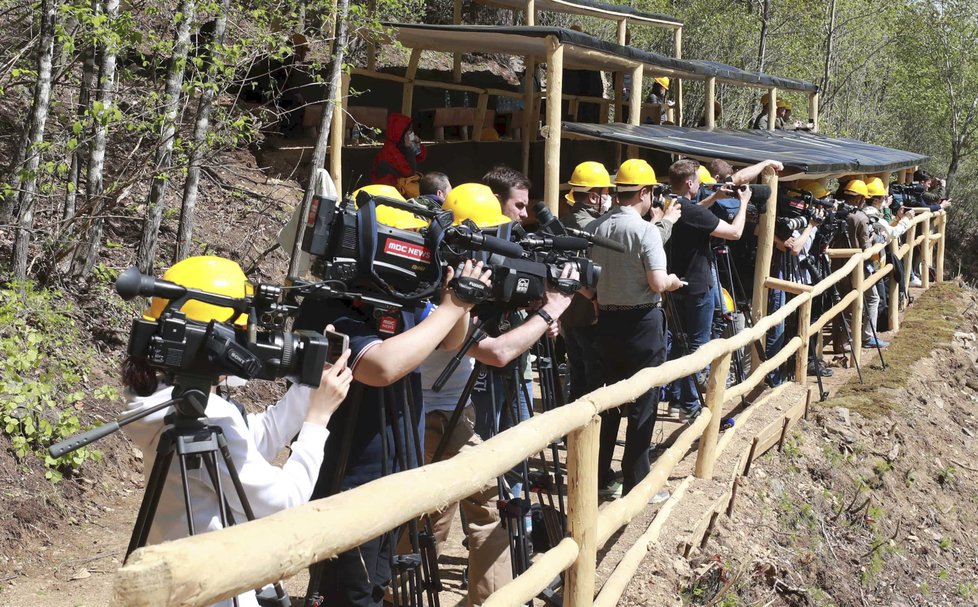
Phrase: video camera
(199, 353)
(757, 205)
(352, 249)
(908, 195)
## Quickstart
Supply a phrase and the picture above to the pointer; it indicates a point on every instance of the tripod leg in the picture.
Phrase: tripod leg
(151, 496)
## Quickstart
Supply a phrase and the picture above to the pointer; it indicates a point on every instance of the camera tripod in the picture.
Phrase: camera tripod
(414, 576)
(193, 443)
(723, 260)
(516, 509)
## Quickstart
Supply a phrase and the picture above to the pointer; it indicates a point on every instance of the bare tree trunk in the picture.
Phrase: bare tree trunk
(201, 127)
(765, 16)
(325, 121)
(830, 32)
(84, 259)
(37, 121)
(162, 159)
(78, 154)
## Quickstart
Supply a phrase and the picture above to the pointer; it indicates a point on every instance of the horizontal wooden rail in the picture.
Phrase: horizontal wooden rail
(878, 275)
(762, 370)
(844, 302)
(531, 582)
(842, 253)
(787, 286)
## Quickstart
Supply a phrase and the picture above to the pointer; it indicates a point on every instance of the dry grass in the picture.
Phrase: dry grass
(930, 322)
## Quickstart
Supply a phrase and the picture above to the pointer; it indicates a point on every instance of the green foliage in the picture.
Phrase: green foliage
(41, 376)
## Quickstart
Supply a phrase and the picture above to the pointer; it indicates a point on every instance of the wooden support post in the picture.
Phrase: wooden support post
(407, 95)
(528, 130)
(457, 57)
(582, 512)
(555, 77)
(856, 325)
(942, 230)
(813, 111)
(925, 257)
(715, 387)
(635, 104)
(480, 116)
(677, 117)
(908, 259)
(710, 107)
(894, 290)
(762, 264)
(619, 96)
(531, 12)
(804, 332)
(772, 107)
(622, 32)
(337, 132)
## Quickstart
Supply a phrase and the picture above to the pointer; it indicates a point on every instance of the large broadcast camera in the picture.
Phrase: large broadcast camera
(908, 195)
(352, 249)
(199, 353)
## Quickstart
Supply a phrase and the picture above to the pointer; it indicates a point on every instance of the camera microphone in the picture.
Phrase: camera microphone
(600, 241)
(132, 283)
(559, 243)
(476, 240)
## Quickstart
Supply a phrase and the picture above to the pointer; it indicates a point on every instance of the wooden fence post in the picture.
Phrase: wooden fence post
(407, 92)
(762, 265)
(582, 512)
(772, 107)
(635, 104)
(925, 255)
(908, 257)
(894, 293)
(813, 111)
(856, 326)
(337, 132)
(715, 387)
(942, 230)
(710, 107)
(804, 329)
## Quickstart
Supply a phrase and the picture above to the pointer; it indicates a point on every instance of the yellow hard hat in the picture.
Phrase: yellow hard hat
(475, 201)
(856, 187)
(662, 80)
(389, 216)
(875, 188)
(784, 104)
(588, 175)
(206, 273)
(704, 175)
(634, 172)
(813, 186)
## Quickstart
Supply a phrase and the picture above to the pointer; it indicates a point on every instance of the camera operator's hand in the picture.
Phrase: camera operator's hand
(558, 301)
(774, 165)
(744, 194)
(673, 213)
(469, 270)
(333, 387)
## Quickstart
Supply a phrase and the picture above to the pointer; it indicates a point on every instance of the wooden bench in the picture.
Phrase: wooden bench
(462, 117)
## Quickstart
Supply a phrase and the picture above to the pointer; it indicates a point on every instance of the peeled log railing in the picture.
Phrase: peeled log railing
(206, 568)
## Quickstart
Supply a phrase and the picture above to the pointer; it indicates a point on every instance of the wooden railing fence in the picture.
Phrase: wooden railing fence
(203, 569)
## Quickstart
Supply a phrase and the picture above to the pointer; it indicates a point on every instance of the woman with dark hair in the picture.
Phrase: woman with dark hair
(253, 440)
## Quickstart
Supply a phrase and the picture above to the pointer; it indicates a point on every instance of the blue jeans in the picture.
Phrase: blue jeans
(696, 319)
(774, 340)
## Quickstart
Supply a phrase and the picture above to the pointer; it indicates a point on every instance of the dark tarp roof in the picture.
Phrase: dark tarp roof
(582, 51)
(590, 8)
(807, 152)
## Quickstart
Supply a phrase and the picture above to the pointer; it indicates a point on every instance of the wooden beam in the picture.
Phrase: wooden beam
(925, 258)
(716, 384)
(528, 130)
(765, 249)
(772, 107)
(710, 107)
(407, 94)
(622, 31)
(582, 511)
(635, 104)
(531, 582)
(804, 327)
(942, 232)
(480, 117)
(787, 286)
(619, 84)
(813, 111)
(908, 259)
(555, 77)
(457, 57)
(531, 12)
(678, 86)
(856, 323)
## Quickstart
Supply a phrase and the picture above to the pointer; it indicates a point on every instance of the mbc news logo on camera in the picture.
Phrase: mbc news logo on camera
(407, 250)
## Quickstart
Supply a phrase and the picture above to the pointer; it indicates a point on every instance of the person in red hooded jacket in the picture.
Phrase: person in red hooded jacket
(396, 163)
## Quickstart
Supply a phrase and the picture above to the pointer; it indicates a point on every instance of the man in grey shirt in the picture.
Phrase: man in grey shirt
(631, 323)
